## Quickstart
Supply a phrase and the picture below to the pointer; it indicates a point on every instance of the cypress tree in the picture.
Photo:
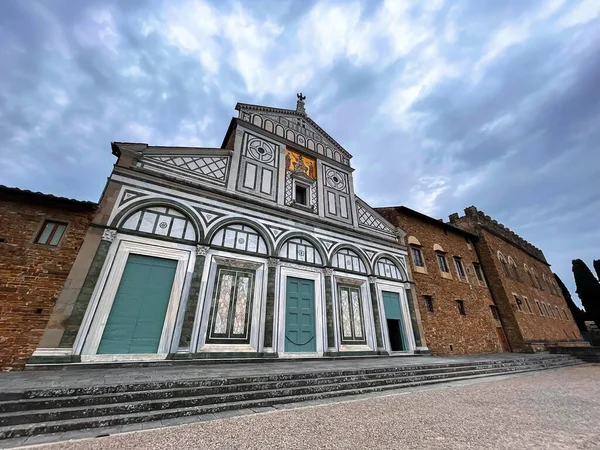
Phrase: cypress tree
(597, 267)
(578, 314)
(588, 290)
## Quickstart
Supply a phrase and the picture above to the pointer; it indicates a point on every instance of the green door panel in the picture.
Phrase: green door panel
(300, 334)
(391, 305)
(138, 312)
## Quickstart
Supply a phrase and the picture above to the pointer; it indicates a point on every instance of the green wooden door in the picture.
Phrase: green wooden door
(393, 314)
(138, 312)
(300, 334)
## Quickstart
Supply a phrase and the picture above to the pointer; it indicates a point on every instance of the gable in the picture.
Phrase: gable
(295, 127)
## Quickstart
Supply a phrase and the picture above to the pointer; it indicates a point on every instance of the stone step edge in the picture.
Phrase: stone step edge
(145, 406)
(10, 432)
(34, 393)
(247, 381)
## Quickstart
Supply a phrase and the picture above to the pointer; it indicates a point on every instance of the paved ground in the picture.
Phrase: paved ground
(554, 409)
(18, 381)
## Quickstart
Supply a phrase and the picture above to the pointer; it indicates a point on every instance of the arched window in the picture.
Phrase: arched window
(534, 278)
(299, 249)
(161, 221)
(387, 269)
(240, 237)
(504, 264)
(513, 267)
(347, 259)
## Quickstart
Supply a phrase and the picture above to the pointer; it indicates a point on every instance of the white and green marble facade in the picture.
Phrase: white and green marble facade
(229, 219)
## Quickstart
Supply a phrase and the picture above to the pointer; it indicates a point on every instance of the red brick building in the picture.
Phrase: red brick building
(40, 236)
(457, 309)
(531, 305)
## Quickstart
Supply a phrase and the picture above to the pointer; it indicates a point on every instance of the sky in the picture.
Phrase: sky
(443, 104)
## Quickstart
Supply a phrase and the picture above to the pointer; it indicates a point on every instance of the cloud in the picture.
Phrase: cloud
(443, 104)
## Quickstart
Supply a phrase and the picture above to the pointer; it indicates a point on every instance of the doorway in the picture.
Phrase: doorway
(393, 315)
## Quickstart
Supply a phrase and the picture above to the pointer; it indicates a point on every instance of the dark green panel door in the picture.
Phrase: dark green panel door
(391, 305)
(300, 334)
(393, 315)
(138, 312)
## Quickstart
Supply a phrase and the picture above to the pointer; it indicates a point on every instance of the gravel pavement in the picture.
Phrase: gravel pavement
(553, 409)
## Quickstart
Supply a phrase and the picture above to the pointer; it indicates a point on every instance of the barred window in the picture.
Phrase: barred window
(347, 259)
(161, 221)
(240, 237)
(302, 250)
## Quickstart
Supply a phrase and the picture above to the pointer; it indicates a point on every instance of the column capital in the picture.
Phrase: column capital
(109, 235)
(372, 280)
(202, 250)
(328, 271)
(273, 262)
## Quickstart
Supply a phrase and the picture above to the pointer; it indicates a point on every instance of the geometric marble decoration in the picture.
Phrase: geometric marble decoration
(208, 167)
(351, 316)
(275, 231)
(369, 254)
(327, 244)
(130, 195)
(368, 220)
(209, 216)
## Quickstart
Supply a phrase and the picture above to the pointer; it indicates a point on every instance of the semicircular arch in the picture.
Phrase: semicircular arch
(231, 221)
(300, 235)
(353, 248)
(376, 270)
(138, 206)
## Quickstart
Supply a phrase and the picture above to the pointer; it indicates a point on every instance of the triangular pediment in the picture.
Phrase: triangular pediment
(296, 127)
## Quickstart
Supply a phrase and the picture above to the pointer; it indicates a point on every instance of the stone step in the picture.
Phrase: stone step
(200, 387)
(230, 403)
(150, 405)
(125, 393)
(143, 386)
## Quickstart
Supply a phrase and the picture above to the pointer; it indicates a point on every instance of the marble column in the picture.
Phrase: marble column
(87, 289)
(191, 304)
(376, 315)
(328, 272)
(270, 307)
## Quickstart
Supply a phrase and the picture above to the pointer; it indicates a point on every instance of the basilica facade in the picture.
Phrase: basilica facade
(259, 248)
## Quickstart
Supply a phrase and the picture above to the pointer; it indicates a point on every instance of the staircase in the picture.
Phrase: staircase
(53, 410)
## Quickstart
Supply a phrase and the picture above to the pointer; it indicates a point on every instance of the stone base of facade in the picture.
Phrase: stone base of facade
(544, 346)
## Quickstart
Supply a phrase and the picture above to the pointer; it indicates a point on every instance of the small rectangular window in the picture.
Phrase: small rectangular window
(459, 268)
(461, 307)
(428, 303)
(51, 233)
(417, 257)
(478, 272)
(539, 308)
(494, 310)
(518, 302)
(443, 263)
(301, 196)
(528, 305)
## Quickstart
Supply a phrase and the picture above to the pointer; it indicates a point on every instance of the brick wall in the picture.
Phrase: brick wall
(534, 326)
(476, 332)
(32, 275)
(524, 328)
